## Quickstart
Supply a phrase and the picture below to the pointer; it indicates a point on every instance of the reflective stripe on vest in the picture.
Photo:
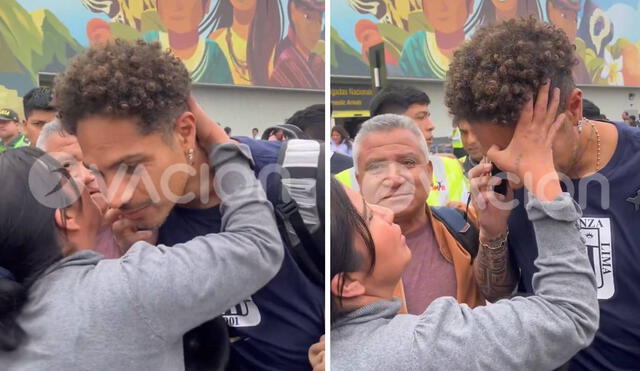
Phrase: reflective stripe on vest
(456, 140)
(449, 182)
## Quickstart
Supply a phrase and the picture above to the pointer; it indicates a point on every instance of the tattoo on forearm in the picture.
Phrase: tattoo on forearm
(494, 273)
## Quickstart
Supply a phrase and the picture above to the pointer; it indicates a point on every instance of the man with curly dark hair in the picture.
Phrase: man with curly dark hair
(491, 83)
(129, 106)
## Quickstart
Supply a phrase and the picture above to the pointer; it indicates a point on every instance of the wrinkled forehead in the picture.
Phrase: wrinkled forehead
(390, 145)
(64, 143)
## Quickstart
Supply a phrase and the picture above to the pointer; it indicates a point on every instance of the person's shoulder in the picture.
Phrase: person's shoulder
(150, 36)
(416, 38)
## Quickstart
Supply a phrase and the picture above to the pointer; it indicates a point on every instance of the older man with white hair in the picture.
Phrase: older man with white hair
(65, 149)
(393, 170)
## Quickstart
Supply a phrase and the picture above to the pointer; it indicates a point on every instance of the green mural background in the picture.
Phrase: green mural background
(273, 43)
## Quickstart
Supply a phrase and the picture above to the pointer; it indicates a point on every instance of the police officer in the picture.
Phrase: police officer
(10, 136)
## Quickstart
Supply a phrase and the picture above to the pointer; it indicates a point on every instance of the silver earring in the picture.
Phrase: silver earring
(581, 124)
(190, 156)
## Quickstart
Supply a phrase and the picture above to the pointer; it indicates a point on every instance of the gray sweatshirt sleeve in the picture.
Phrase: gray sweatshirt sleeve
(539, 332)
(174, 289)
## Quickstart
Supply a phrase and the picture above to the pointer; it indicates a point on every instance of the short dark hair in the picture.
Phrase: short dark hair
(632, 117)
(346, 225)
(124, 79)
(590, 110)
(227, 130)
(37, 99)
(502, 66)
(310, 120)
(396, 99)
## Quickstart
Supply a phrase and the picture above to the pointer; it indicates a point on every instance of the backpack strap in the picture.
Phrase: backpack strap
(464, 232)
(300, 204)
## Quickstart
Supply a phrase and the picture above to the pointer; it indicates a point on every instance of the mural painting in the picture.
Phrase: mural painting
(420, 36)
(273, 43)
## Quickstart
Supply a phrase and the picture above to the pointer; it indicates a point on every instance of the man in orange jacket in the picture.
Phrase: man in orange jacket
(393, 170)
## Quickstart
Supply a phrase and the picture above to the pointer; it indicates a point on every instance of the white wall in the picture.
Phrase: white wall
(243, 108)
(611, 100)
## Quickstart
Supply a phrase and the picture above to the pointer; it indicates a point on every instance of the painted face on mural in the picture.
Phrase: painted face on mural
(307, 24)
(505, 5)
(243, 5)
(446, 16)
(182, 16)
(563, 16)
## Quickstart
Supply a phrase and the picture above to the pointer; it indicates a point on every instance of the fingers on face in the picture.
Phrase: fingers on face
(542, 101)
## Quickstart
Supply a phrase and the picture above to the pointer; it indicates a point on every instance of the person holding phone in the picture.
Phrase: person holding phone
(597, 163)
(539, 332)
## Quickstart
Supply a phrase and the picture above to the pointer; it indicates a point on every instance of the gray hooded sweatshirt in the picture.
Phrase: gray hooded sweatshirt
(90, 313)
(539, 332)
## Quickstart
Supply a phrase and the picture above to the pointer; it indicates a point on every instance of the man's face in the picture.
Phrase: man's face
(393, 172)
(469, 141)
(66, 150)
(565, 144)
(8, 130)
(566, 19)
(307, 23)
(181, 16)
(446, 16)
(421, 115)
(254, 132)
(144, 174)
(34, 123)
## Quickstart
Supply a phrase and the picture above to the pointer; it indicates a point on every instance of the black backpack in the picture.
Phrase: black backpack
(298, 199)
(463, 231)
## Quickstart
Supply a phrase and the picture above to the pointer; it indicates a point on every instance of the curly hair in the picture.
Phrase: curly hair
(124, 79)
(495, 73)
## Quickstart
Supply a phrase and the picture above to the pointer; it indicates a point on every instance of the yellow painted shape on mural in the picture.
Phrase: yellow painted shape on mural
(432, 46)
(10, 99)
(20, 33)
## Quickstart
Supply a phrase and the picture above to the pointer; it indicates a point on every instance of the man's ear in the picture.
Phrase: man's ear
(573, 108)
(185, 129)
(70, 222)
(351, 286)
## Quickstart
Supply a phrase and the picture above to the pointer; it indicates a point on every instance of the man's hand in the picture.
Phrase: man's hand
(126, 233)
(493, 209)
(316, 355)
(207, 131)
(529, 155)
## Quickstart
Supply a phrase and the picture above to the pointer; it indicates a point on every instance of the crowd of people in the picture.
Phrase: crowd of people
(135, 232)
(532, 265)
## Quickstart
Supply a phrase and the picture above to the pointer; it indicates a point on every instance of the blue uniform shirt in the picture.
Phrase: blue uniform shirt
(273, 328)
(610, 226)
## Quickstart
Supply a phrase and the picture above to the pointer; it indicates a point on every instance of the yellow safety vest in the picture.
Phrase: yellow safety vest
(456, 140)
(449, 182)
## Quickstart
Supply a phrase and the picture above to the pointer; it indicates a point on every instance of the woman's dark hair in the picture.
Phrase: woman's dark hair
(264, 35)
(343, 133)
(486, 13)
(29, 239)
(346, 226)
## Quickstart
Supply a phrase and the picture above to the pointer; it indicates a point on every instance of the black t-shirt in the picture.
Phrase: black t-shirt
(610, 226)
(273, 328)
